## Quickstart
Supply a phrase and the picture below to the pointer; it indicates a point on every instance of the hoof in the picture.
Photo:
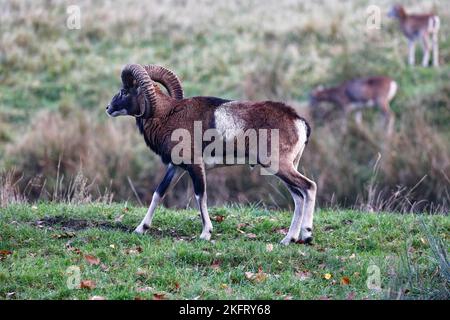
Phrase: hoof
(206, 236)
(287, 240)
(141, 229)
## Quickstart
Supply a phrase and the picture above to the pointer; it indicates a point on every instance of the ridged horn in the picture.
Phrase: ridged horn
(136, 72)
(167, 78)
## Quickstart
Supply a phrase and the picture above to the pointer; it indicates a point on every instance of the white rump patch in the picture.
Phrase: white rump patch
(302, 134)
(228, 124)
(392, 90)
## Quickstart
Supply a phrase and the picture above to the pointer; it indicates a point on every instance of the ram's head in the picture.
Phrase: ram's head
(138, 95)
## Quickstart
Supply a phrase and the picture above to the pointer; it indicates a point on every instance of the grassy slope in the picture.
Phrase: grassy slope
(346, 243)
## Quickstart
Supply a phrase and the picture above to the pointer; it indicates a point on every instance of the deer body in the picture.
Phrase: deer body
(359, 93)
(419, 27)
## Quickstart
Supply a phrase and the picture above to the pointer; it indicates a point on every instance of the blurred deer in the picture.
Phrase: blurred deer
(419, 27)
(356, 94)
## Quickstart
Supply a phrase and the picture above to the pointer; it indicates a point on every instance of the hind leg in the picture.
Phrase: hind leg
(300, 188)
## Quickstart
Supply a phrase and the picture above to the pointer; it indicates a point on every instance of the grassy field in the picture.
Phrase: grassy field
(39, 243)
(55, 83)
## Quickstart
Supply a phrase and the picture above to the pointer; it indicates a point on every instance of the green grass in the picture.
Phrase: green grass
(172, 262)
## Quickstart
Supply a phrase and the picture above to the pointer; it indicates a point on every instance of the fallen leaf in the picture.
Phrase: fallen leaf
(119, 218)
(104, 267)
(223, 286)
(303, 275)
(327, 276)
(92, 260)
(219, 218)
(251, 236)
(138, 298)
(352, 256)
(34, 208)
(141, 272)
(215, 265)
(249, 275)
(324, 298)
(345, 281)
(144, 289)
(97, 298)
(87, 284)
(4, 253)
(351, 296)
(159, 296)
(68, 234)
(269, 247)
(135, 250)
(260, 276)
(282, 231)
(288, 297)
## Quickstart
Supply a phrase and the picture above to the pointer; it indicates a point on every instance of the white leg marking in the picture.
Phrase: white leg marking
(426, 51)
(412, 52)
(206, 222)
(147, 221)
(307, 224)
(294, 229)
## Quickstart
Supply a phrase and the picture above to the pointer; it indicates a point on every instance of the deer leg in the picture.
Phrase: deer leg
(412, 52)
(426, 50)
(358, 117)
(198, 176)
(388, 116)
(171, 173)
(300, 187)
(435, 49)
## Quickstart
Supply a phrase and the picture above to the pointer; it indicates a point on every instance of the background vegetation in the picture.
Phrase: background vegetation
(56, 82)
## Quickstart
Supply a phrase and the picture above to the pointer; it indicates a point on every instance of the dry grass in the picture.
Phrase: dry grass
(54, 83)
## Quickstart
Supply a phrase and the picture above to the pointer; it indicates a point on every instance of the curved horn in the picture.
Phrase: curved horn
(136, 72)
(167, 78)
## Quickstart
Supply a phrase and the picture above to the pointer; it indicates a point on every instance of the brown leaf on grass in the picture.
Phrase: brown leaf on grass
(141, 272)
(88, 284)
(68, 234)
(260, 276)
(144, 289)
(119, 218)
(288, 297)
(104, 267)
(92, 259)
(282, 231)
(303, 275)
(351, 295)
(345, 281)
(4, 253)
(176, 286)
(216, 265)
(97, 298)
(219, 218)
(251, 236)
(135, 250)
(159, 296)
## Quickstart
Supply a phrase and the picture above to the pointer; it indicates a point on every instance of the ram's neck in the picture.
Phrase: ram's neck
(154, 128)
